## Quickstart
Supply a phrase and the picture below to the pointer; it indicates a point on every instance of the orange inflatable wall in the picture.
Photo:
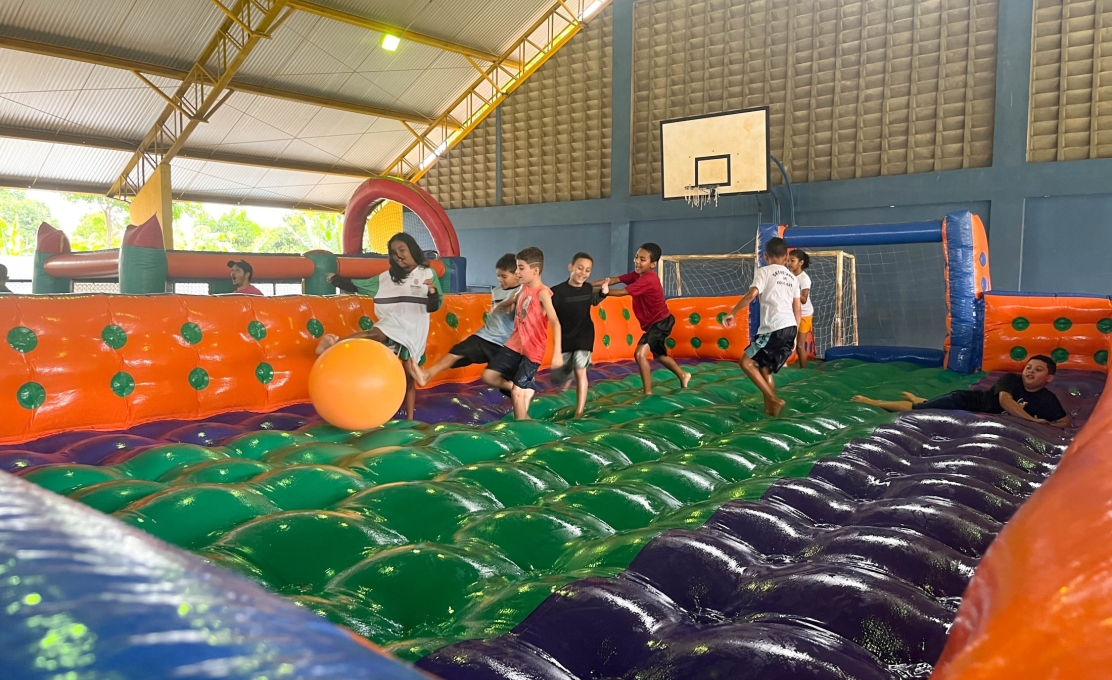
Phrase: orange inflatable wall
(110, 362)
(1039, 604)
(1072, 330)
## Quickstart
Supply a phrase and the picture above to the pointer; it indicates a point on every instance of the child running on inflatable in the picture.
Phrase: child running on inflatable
(515, 366)
(780, 315)
(404, 297)
(1024, 396)
(573, 300)
(482, 346)
(798, 263)
(643, 285)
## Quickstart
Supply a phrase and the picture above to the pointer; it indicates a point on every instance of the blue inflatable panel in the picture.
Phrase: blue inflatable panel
(966, 318)
(86, 596)
(864, 235)
(922, 356)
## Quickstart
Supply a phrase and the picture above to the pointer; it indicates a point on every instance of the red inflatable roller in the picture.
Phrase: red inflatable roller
(192, 265)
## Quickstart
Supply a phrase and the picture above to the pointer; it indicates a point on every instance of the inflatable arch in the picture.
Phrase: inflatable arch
(373, 191)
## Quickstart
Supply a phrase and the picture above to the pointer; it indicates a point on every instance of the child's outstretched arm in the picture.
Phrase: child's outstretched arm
(744, 302)
(557, 344)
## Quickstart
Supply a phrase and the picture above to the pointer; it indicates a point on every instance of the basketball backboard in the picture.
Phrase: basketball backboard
(716, 154)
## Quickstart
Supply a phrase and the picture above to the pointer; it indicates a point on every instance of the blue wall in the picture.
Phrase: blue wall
(1042, 218)
(483, 247)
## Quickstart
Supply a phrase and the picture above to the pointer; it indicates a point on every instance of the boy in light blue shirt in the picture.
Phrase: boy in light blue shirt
(480, 347)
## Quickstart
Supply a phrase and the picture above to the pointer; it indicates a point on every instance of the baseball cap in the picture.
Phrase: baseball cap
(242, 264)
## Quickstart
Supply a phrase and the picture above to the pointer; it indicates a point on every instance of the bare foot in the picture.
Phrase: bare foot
(777, 406)
(912, 397)
(685, 378)
(420, 376)
(326, 342)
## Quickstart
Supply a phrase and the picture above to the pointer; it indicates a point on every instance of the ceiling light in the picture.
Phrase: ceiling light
(390, 42)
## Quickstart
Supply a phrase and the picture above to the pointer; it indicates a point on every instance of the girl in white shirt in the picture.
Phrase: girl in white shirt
(798, 262)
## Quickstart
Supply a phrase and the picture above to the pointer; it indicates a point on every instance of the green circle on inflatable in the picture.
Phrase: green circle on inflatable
(1062, 323)
(191, 332)
(670, 343)
(1059, 355)
(723, 343)
(256, 330)
(366, 324)
(625, 314)
(602, 314)
(315, 328)
(264, 372)
(198, 379)
(694, 318)
(1020, 323)
(30, 395)
(122, 384)
(1018, 353)
(629, 339)
(696, 343)
(606, 340)
(424, 357)
(22, 339)
(720, 318)
(1101, 357)
(452, 320)
(114, 336)
(1105, 325)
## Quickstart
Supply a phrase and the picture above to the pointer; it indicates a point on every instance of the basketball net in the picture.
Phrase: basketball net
(699, 197)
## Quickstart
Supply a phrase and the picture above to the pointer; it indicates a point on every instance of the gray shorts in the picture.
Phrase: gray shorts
(580, 358)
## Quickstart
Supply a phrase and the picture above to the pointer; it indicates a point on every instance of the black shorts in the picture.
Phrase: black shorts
(771, 350)
(474, 350)
(954, 401)
(516, 368)
(656, 335)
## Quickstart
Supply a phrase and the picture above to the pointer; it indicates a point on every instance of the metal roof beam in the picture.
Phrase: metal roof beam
(59, 52)
(110, 144)
(335, 14)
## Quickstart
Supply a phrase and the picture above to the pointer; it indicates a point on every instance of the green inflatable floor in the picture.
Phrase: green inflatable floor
(417, 536)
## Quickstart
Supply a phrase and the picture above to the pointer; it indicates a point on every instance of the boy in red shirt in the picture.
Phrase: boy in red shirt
(651, 311)
(514, 367)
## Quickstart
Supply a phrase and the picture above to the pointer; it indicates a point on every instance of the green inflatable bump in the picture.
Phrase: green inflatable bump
(191, 333)
(400, 464)
(1018, 353)
(689, 516)
(749, 490)
(728, 392)
(687, 483)
(415, 649)
(299, 552)
(792, 468)
(452, 320)
(638, 447)
(325, 432)
(601, 389)
(122, 384)
(1020, 323)
(696, 343)
(30, 395)
(234, 563)
(717, 422)
(472, 446)
(1062, 324)
(585, 425)
(533, 537)
(529, 432)
(264, 373)
(577, 463)
(347, 612)
(629, 338)
(158, 460)
(545, 406)
(513, 484)
(315, 328)
(198, 379)
(1059, 355)
(108, 497)
(731, 464)
(657, 404)
(619, 414)
(607, 557)
(685, 435)
(314, 452)
(65, 478)
(422, 585)
(769, 446)
(696, 398)
(308, 487)
(421, 511)
(255, 445)
(256, 330)
(366, 323)
(723, 344)
(227, 471)
(625, 314)
(386, 436)
(22, 339)
(114, 336)
(694, 319)
(503, 608)
(194, 516)
(622, 506)
(796, 429)
(1105, 325)
(1101, 357)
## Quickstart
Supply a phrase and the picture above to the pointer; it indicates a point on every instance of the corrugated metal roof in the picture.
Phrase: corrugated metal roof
(58, 162)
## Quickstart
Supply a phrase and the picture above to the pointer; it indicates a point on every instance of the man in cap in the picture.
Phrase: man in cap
(241, 278)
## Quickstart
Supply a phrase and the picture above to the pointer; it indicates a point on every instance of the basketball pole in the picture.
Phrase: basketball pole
(788, 181)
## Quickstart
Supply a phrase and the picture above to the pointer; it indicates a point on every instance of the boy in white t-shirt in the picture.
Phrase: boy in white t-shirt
(798, 262)
(780, 315)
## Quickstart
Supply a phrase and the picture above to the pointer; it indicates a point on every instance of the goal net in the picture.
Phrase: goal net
(833, 287)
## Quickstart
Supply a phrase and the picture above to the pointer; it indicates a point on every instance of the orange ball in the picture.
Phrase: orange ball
(357, 384)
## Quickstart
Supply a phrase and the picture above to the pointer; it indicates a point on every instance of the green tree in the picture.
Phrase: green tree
(193, 230)
(21, 217)
(104, 226)
(301, 232)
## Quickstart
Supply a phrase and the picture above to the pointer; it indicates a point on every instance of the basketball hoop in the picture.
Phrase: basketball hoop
(699, 197)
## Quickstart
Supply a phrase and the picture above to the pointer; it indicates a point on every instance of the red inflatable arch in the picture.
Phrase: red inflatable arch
(409, 195)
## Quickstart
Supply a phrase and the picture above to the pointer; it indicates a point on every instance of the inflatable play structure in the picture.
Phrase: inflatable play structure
(172, 503)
